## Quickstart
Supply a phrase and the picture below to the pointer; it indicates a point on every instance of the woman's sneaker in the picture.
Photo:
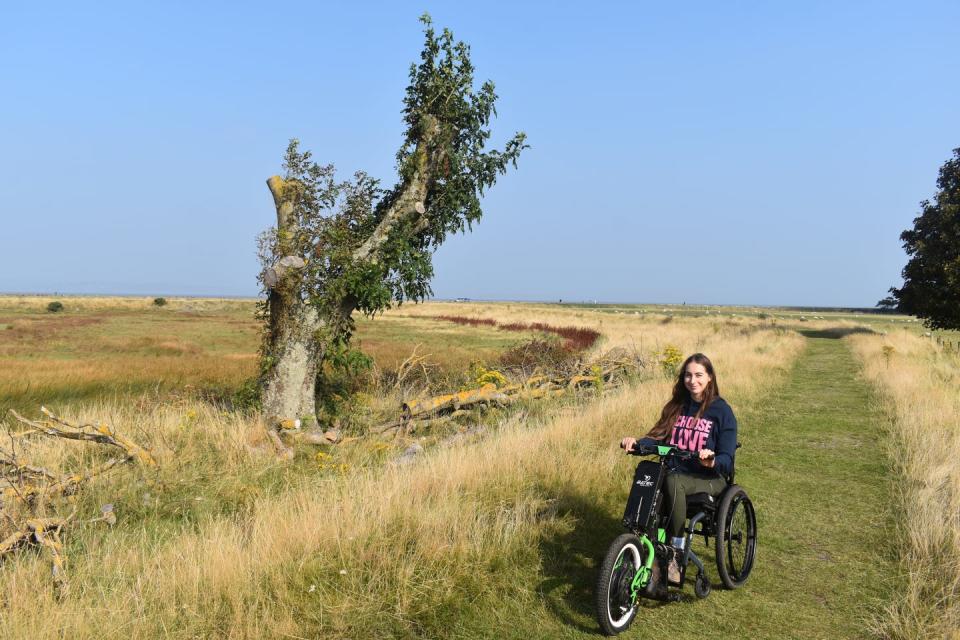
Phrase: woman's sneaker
(673, 567)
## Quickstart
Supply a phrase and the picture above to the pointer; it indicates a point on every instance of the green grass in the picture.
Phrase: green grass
(811, 462)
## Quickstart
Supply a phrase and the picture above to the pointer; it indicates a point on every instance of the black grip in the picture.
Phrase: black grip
(643, 450)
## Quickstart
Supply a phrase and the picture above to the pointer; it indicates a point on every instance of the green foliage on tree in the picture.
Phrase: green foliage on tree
(55, 307)
(442, 158)
(159, 302)
(931, 278)
(343, 246)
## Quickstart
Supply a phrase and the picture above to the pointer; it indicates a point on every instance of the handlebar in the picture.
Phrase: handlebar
(664, 451)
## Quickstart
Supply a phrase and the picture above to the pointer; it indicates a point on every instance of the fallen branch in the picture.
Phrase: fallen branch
(100, 433)
(610, 369)
(28, 490)
(487, 393)
(44, 532)
(407, 365)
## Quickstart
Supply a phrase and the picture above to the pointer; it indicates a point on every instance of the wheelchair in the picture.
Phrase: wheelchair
(635, 565)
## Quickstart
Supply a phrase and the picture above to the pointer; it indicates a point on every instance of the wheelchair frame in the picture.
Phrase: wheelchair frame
(646, 530)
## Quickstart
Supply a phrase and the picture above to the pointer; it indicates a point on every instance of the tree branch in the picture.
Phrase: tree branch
(281, 200)
(409, 205)
(102, 434)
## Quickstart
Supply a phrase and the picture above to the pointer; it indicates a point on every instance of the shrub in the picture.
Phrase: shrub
(248, 397)
(527, 356)
(481, 376)
(55, 307)
(575, 338)
(597, 372)
(346, 372)
(159, 302)
(670, 359)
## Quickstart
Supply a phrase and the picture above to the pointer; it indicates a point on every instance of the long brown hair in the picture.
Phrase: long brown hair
(681, 396)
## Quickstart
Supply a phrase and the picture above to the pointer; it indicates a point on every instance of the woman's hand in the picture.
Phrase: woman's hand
(627, 444)
(707, 458)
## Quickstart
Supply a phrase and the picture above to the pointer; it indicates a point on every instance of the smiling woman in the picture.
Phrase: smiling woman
(696, 419)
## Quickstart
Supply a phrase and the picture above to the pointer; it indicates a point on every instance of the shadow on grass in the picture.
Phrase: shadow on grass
(28, 401)
(835, 333)
(571, 559)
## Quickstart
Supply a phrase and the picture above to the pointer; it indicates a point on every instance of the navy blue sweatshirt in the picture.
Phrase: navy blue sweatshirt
(716, 430)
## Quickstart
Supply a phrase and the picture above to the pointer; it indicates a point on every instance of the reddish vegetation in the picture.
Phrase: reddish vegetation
(575, 338)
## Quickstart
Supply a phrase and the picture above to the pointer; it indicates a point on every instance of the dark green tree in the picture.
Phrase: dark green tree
(931, 279)
(341, 247)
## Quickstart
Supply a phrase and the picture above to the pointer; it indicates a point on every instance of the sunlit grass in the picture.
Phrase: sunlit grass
(228, 541)
(919, 383)
(483, 537)
(113, 348)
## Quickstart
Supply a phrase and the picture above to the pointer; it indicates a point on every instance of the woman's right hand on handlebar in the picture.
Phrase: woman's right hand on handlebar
(627, 444)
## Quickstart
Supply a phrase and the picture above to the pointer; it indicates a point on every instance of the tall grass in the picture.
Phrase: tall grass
(920, 382)
(227, 542)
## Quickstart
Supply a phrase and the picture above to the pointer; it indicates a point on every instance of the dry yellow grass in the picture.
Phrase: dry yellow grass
(646, 333)
(921, 387)
(116, 347)
(378, 551)
(38, 303)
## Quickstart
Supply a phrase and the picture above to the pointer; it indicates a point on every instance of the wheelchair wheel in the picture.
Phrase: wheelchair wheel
(616, 607)
(702, 585)
(736, 540)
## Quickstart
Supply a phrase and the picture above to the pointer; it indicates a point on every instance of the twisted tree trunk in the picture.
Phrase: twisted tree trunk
(298, 336)
(294, 352)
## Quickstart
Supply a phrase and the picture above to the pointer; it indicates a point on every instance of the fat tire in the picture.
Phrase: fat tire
(610, 585)
(736, 550)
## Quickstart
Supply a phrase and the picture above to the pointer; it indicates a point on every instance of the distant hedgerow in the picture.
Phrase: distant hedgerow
(575, 338)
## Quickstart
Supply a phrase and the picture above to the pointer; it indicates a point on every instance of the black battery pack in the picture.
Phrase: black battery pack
(646, 480)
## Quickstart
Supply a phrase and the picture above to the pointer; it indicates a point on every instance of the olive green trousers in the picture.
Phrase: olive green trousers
(680, 485)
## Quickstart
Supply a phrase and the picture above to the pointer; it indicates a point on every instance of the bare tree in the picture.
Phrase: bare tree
(341, 247)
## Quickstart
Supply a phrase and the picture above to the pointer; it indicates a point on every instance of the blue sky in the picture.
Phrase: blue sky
(743, 153)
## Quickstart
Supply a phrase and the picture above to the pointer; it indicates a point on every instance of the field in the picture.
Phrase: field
(120, 348)
(847, 420)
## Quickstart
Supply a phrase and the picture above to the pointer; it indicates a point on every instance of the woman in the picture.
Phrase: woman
(695, 419)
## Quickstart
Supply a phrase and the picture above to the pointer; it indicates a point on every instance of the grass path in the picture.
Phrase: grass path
(820, 485)
(814, 463)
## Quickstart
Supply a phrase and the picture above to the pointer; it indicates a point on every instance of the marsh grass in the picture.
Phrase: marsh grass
(124, 348)
(493, 535)
(471, 539)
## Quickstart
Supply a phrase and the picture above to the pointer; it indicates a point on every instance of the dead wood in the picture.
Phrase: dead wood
(282, 450)
(610, 369)
(488, 393)
(29, 491)
(412, 362)
(101, 433)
